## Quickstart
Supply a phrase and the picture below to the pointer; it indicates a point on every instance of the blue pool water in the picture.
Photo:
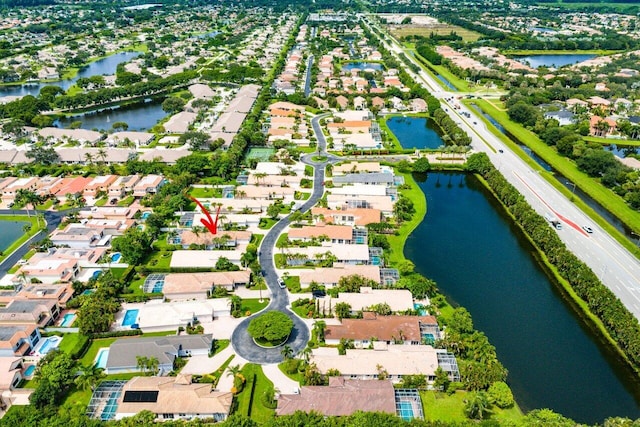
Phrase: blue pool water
(110, 409)
(421, 310)
(67, 320)
(145, 215)
(88, 291)
(49, 344)
(157, 287)
(130, 317)
(116, 257)
(96, 274)
(101, 358)
(405, 410)
(30, 370)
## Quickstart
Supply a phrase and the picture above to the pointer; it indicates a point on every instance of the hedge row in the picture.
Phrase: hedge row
(622, 325)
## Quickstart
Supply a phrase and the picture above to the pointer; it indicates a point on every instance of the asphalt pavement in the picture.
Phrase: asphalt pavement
(614, 265)
(241, 341)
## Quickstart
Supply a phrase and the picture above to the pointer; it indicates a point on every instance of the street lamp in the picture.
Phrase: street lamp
(573, 190)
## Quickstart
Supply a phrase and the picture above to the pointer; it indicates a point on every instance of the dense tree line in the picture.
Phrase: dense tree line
(622, 325)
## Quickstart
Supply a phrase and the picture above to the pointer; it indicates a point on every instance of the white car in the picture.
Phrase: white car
(587, 229)
(281, 283)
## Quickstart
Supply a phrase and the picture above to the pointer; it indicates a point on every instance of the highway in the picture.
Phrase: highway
(616, 267)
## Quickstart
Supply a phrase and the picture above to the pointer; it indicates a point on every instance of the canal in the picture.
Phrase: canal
(481, 261)
(104, 66)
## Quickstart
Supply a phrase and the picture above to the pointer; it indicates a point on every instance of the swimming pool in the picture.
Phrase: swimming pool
(49, 344)
(115, 257)
(30, 370)
(145, 215)
(88, 292)
(158, 286)
(101, 358)
(96, 274)
(68, 320)
(130, 317)
(422, 311)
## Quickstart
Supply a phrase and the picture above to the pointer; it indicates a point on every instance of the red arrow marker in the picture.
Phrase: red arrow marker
(211, 225)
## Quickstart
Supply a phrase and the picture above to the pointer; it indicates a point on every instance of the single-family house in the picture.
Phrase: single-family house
(341, 234)
(124, 351)
(149, 184)
(171, 398)
(40, 313)
(18, 340)
(187, 286)
(330, 277)
(342, 397)
(407, 330)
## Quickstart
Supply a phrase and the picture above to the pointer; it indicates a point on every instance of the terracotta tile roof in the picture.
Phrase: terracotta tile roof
(337, 232)
(342, 397)
(383, 328)
(362, 216)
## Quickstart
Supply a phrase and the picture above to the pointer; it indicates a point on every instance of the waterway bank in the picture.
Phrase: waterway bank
(553, 359)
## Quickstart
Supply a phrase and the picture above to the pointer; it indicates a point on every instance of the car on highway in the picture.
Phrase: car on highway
(587, 229)
(501, 150)
(281, 283)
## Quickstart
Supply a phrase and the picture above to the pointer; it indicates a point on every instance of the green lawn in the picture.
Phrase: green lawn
(568, 168)
(17, 243)
(415, 194)
(442, 407)
(160, 259)
(461, 85)
(126, 201)
(69, 342)
(204, 193)
(254, 305)
(297, 377)
(256, 239)
(221, 345)
(607, 141)
(247, 406)
(267, 223)
(293, 283)
(92, 351)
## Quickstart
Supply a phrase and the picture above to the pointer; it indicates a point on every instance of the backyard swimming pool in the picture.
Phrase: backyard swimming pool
(68, 320)
(130, 317)
(101, 358)
(115, 257)
(49, 344)
(30, 370)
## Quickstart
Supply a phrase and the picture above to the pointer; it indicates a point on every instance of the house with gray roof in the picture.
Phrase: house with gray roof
(123, 353)
(376, 178)
(564, 117)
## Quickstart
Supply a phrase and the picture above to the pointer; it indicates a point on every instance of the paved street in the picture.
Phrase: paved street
(618, 269)
(242, 343)
(53, 219)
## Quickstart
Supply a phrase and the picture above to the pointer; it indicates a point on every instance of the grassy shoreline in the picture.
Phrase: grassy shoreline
(599, 193)
(526, 52)
(22, 239)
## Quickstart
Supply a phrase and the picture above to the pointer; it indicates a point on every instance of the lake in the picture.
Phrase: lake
(105, 66)
(415, 132)
(139, 116)
(480, 260)
(556, 61)
(362, 66)
(10, 231)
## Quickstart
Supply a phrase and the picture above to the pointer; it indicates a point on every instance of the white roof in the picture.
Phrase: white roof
(342, 252)
(396, 359)
(360, 190)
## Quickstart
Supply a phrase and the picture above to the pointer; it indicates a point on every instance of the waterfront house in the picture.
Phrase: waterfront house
(342, 397)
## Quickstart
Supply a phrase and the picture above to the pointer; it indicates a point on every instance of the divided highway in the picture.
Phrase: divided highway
(616, 267)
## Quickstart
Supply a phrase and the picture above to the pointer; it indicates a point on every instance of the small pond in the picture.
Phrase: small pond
(556, 61)
(415, 132)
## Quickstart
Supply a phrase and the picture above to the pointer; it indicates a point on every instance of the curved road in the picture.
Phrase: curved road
(242, 343)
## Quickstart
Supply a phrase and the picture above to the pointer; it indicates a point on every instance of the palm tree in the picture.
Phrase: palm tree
(477, 405)
(235, 303)
(142, 362)
(88, 157)
(153, 364)
(287, 352)
(90, 377)
(319, 327)
(260, 176)
(232, 371)
(102, 154)
(306, 354)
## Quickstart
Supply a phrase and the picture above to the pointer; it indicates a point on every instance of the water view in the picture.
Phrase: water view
(362, 66)
(10, 231)
(480, 261)
(139, 116)
(104, 66)
(415, 132)
(556, 61)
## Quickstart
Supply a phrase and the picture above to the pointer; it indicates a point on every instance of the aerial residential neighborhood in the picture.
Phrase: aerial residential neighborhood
(322, 214)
